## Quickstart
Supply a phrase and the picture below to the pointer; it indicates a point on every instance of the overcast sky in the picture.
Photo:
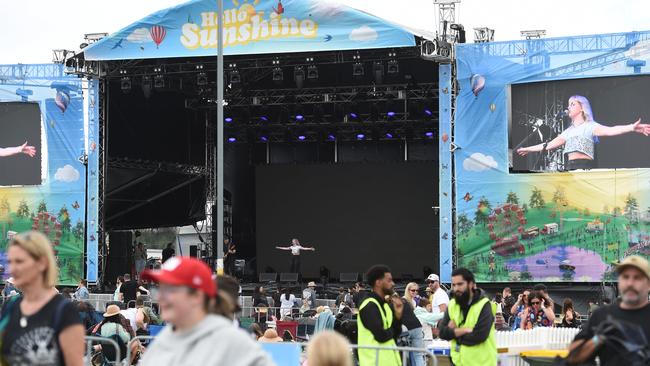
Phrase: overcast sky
(30, 29)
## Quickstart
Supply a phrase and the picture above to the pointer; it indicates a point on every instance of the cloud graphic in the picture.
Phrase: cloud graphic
(478, 162)
(67, 174)
(326, 9)
(140, 35)
(363, 34)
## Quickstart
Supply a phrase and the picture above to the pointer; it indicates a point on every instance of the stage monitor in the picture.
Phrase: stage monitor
(20, 144)
(575, 124)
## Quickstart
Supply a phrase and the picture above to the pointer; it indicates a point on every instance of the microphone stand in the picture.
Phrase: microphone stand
(542, 154)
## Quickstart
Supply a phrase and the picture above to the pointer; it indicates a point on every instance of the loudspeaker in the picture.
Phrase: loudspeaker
(119, 259)
(348, 277)
(288, 277)
(268, 277)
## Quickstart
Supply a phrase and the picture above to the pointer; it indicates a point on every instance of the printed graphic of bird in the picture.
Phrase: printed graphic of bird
(118, 44)
(280, 9)
(75, 205)
(468, 197)
(328, 37)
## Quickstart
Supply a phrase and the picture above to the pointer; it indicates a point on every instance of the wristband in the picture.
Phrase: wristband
(596, 340)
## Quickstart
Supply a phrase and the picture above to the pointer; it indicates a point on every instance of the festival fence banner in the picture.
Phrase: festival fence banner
(250, 27)
(526, 112)
(42, 131)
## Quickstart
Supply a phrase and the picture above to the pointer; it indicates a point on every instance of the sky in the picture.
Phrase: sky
(29, 30)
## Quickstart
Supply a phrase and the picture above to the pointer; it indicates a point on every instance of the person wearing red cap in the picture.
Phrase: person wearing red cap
(192, 335)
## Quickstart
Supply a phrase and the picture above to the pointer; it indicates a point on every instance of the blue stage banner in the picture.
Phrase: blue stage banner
(250, 27)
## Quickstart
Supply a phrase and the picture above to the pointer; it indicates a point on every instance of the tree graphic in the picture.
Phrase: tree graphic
(631, 211)
(23, 209)
(42, 206)
(524, 207)
(464, 224)
(482, 211)
(536, 199)
(559, 197)
(616, 211)
(64, 218)
(78, 230)
(512, 198)
(587, 212)
(4, 204)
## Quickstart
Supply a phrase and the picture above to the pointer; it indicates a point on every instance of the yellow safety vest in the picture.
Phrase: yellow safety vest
(368, 357)
(482, 354)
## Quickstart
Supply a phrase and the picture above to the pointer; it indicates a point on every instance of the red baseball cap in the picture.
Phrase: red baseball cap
(184, 271)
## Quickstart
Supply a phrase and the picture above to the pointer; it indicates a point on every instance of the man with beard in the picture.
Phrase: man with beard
(632, 312)
(468, 322)
(379, 323)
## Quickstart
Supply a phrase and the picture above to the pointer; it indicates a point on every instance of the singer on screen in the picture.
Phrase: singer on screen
(22, 149)
(578, 139)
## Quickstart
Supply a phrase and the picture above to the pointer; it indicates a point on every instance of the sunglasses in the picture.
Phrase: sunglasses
(535, 302)
(413, 290)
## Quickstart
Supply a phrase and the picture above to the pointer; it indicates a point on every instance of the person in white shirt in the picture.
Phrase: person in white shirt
(295, 249)
(439, 298)
(287, 302)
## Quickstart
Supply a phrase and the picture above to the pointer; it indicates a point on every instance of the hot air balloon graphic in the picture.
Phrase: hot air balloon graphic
(158, 34)
(477, 81)
(62, 100)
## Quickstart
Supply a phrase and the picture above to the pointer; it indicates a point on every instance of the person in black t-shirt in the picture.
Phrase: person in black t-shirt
(42, 328)
(627, 321)
(129, 290)
(168, 252)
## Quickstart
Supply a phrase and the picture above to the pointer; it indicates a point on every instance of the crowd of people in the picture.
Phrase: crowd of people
(197, 315)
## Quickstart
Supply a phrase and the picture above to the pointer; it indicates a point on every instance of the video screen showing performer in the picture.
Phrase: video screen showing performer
(606, 129)
(20, 144)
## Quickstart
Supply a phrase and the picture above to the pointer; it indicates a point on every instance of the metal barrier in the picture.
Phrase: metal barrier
(136, 338)
(253, 312)
(405, 351)
(89, 348)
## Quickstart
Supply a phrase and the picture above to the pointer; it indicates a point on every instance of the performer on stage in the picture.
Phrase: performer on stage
(578, 139)
(229, 253)
(295, 249)
(22, 149)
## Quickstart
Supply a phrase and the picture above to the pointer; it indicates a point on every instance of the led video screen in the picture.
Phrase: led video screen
(20, 144)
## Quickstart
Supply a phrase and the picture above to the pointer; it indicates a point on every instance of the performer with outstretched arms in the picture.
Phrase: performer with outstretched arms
(295, 249)
(578, 139)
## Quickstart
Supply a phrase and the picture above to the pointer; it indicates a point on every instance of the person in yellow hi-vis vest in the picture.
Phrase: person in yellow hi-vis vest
(379, 321)
(469, 323)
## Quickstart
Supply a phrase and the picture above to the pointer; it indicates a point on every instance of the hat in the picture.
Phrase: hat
(184, 271)
(433, 278)
(111, 310)
(263, 309)
(270, 336)
(311, 284)
(635, 261)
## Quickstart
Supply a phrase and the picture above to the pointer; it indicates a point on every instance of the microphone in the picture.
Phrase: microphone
(562, 114)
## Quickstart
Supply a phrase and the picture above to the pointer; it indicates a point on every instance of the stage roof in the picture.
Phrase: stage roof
(251, 27)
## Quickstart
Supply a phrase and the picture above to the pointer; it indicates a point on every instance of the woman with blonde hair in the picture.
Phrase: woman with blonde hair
(329, 348)
(411, 294)
(40, 327)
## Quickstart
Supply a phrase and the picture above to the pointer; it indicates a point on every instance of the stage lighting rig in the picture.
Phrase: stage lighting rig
(483, 34)
(159, 79)
(299, 76)
(533, 34)
(233, 74)
(201, 77)
(357, 67)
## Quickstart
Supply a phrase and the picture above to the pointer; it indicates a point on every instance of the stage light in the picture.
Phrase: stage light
(302, 137)
(202, 79)
(389, 135)
(390, 114)
(358, 69)
(393, 67)
(159, 81)
(353, 115)
(378, 68)
(331, 137)
(428, 112)
(428, 134)
(360, 136)
(264, 138)
(299, 117)
(233, 74)
(278, 75)
(228, 119)
(264, 118)
(312, 72)
(125, 84)
(299, 76)
(232, 139)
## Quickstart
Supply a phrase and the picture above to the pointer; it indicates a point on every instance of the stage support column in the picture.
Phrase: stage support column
(446, 214)
(217, 247)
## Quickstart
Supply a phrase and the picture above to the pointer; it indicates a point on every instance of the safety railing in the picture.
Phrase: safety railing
(406, 352)
(142, 339)
(90, 340)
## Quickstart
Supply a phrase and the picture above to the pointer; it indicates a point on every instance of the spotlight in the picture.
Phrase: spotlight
(232, 139)
(278, 75)
(233, 74)
(393, 67)
(360, 136)
(202, 79)
(159, 81)
(299, 76)
(353, 115)
(299, 117)
(312, 72)
(428, 134)
(428, 112)
(358, 70)
(331, 137)
(302, 137)
(264, 118)
(264, 138)
(228, 119)
(125, 84)
(389, 135)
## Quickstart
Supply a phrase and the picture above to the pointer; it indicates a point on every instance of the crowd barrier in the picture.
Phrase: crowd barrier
(103, 341)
